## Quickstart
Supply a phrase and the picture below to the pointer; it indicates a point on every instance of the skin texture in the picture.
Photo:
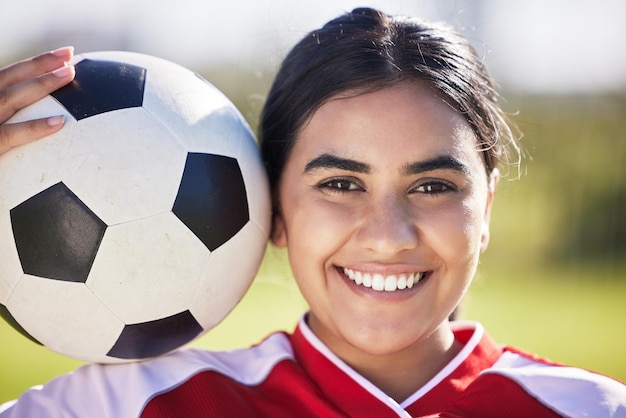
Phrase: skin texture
(24, 83)
(387, 183)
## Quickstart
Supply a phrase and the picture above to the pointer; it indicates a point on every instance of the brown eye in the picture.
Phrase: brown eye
(434, 188)
(340, 185)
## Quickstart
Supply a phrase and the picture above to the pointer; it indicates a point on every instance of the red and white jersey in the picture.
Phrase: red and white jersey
(298, 376)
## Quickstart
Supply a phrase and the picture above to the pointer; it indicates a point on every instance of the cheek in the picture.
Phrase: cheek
(473, 217)
(316, 229)
(455, 232)
(315, 233)
(321, 216)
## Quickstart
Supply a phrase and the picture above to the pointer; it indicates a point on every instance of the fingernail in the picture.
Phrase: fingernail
(55, 120)
(65, 51)
(64, 71)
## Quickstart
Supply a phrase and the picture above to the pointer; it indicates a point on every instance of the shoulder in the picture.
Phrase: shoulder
(569, 391)
(125, 389)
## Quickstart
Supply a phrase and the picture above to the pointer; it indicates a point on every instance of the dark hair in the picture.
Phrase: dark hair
(365, 51)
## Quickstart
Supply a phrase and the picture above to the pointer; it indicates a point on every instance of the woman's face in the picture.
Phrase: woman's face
(384, 208)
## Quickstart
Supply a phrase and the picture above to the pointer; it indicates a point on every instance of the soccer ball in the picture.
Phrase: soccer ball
(141, 223)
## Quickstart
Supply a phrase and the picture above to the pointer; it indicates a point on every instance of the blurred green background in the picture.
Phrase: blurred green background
(553, 280)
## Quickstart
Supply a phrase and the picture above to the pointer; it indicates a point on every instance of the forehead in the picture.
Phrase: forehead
(399, 124)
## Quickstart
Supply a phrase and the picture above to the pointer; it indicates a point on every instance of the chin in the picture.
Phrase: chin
(384, 340)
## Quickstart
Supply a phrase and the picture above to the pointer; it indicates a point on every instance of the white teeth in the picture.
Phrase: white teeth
(382, 283)
(378, 282)
(391, 283)
(402, 282)
(367, 280)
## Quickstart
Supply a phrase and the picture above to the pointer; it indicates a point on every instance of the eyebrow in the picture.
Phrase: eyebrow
(442, 162)
(333, 162)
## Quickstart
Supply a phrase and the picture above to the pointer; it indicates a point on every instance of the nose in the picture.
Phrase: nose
(388, 226)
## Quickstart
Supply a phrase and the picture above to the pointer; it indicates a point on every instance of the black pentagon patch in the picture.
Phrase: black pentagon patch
(153, 338)
(102, 86)
(57, 236)
(4, 313)
(212, 199)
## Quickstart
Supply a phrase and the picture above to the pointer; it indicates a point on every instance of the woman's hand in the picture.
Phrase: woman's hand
(25, 82)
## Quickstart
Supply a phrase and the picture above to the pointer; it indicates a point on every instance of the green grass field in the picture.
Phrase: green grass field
(573, 317)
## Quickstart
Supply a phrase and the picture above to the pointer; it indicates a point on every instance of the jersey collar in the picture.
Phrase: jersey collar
(352, 392)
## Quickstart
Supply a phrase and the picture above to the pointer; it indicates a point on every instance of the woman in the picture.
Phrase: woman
(382, 138)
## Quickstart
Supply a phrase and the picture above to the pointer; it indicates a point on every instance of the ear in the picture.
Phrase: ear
(494, 178)
(278, 235)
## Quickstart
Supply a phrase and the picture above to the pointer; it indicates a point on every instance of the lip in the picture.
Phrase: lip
(401, 293)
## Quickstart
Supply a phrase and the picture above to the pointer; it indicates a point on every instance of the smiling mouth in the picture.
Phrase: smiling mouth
(383, 283)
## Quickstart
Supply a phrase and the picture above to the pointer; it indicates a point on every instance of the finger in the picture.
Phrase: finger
(16, 134)
(35, 66)
(26, 92)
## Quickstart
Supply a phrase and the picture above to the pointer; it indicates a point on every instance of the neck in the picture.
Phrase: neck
(400, 375)
(402, 372)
